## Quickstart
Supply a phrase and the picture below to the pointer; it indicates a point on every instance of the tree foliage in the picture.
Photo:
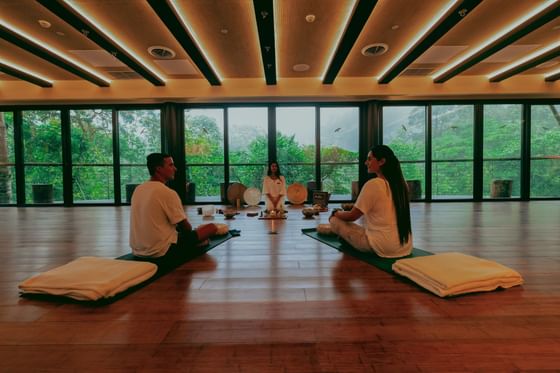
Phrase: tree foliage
(140, 134)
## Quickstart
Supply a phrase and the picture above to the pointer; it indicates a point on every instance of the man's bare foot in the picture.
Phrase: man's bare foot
(203, 243)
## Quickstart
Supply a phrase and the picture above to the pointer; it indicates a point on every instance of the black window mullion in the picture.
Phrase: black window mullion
(116, 157)
(67, 181)
(272, 151)
(319, 182)
(525, 185)
(173, 143)
(225, 113)
(18, 149)
(428, 154)
(478, 150)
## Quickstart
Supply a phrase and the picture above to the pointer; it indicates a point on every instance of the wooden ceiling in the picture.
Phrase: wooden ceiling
(262, 50)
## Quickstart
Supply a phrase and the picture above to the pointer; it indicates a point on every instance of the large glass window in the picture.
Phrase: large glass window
(248, 145)
(204, 152)
(7, 159)
(139, 135)
(339, 150)
(92, 155)
(42, 147)
(295, 143)
(545, 151)
(404, 129)
(502, 150)
(452, 151)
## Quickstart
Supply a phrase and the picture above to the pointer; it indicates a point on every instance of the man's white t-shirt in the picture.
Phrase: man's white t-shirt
(154, 212)
(375, 201)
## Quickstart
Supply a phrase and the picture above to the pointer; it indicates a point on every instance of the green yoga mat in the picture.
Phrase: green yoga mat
(164, 267)
(385, 264)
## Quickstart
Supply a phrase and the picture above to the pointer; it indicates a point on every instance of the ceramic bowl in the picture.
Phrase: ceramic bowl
(308, 212)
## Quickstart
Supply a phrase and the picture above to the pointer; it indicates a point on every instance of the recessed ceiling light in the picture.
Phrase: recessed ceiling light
(224, 31)
(60, 33)
(310, 18)
(375, 49)
(557, 27)
(44, 23)
(161, 52)
(300, 67)
(394, 27)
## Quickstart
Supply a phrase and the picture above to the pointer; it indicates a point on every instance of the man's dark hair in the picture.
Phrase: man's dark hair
(155, 160)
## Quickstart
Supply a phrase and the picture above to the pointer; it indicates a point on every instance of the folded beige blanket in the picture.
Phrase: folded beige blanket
(89, 278)
(455, 273)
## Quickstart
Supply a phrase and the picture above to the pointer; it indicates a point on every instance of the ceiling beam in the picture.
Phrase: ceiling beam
(172, 20)
(20, 74)
(515, 34)
(360, 15)
(71, 16)
(526, 65)
(264, 14)
(43, 51)
(451, 19)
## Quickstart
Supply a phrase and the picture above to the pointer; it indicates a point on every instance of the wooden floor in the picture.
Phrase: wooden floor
(285, 302)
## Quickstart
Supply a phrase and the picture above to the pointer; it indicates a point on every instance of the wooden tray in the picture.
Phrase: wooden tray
(272, 217)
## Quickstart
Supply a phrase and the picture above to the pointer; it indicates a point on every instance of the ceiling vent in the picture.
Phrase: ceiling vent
(376, 49)
(158, 51)
(124, 75)
(417, 71)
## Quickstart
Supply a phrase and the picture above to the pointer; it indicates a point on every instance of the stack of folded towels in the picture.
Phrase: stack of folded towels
(89, 278)
(454, 273)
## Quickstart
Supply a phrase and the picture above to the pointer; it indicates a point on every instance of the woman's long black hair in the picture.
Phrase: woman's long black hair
(278, 173)
(392, 171)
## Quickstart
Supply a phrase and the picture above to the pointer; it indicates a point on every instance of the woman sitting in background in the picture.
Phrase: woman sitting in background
(274, 188)
(383, 202)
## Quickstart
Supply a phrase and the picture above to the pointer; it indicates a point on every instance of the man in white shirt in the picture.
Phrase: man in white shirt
(158, 223)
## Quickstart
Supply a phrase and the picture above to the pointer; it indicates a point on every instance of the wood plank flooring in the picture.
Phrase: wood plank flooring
(284, 302)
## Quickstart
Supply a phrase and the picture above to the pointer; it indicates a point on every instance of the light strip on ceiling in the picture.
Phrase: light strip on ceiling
(338, 38)
(419, 36)
(525, 59)
(552, 73)
(113, 38)
(492, 39)
(24, 70)
(195, 37)
(275, 15)
(54, 51)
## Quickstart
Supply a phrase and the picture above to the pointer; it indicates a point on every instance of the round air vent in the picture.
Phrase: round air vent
(376, 49)
(161, 52)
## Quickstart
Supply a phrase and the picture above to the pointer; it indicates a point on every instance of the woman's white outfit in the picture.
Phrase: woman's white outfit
(274, 187)
(379, 232)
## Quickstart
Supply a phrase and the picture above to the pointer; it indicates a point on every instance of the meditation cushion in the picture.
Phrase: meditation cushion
(454, 273)
(89, 278)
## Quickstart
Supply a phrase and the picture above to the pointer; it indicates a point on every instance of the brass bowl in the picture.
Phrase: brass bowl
(347, 206)
(229, 214)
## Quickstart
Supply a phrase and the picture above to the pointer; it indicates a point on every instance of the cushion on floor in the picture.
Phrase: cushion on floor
(448, 274)
(89, 278)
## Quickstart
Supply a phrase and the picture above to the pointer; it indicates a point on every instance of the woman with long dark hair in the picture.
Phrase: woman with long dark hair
(274, 188)
(383, 203)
